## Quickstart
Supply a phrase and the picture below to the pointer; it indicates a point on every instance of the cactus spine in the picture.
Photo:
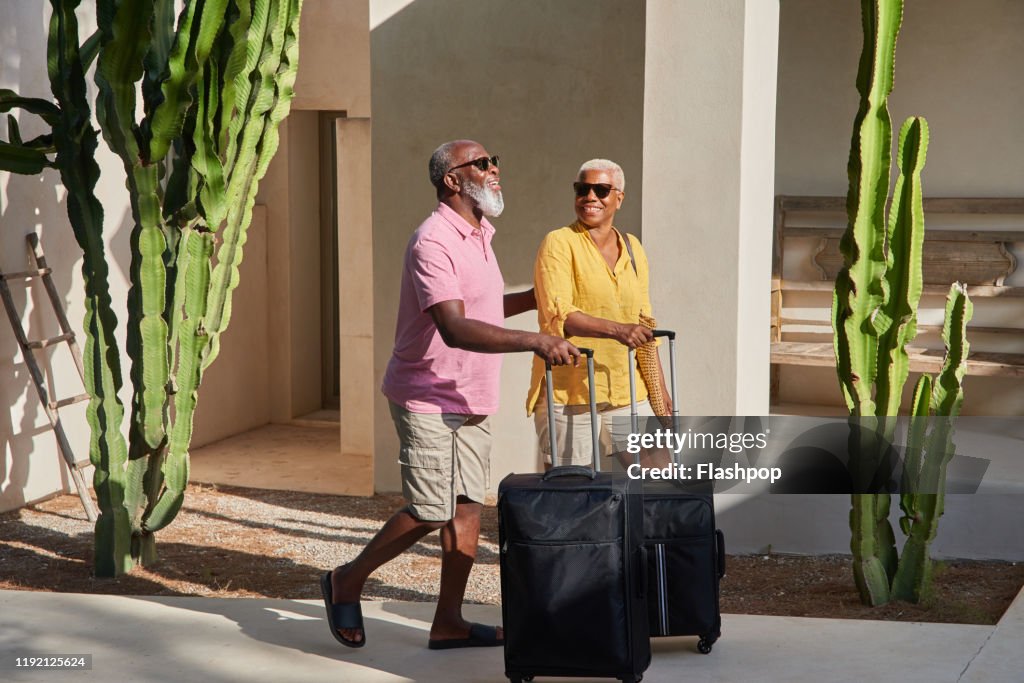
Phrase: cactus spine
(214, 87)
(874, 317)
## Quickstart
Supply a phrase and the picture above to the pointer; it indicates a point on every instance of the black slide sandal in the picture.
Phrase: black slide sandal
(342, 615)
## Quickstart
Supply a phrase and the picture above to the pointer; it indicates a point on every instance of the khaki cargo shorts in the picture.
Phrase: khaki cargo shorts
(443, 456)
(572, 425)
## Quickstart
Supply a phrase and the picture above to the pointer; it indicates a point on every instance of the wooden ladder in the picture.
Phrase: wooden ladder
(41, 270)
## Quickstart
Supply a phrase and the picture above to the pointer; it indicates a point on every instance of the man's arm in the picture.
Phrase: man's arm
(461, 332)
(520, 302)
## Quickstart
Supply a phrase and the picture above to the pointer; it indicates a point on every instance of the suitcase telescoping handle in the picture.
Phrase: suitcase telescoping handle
(634, 417)
(572, 470)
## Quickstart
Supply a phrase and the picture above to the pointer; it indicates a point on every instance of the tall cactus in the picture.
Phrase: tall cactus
(923, 492)
(874, 316)
(213, 88)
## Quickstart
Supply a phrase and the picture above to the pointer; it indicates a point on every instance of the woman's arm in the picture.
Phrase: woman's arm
(643, 272)
(520, 302)
(664, 387)
(580, 324)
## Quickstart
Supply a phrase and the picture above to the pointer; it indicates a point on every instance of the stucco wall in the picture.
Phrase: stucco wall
(545, 85)
(709, 105)
(30, 465)
(278, 297)
(957, 64)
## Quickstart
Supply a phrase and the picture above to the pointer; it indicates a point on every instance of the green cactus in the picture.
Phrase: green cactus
(923, 494)
(874, 317)
(214, 87)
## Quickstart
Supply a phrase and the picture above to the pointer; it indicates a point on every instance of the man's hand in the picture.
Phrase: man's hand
(556, 350)
(633, 336)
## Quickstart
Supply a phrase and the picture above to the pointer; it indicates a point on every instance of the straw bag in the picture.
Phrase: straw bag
(647, 364)
(647, 358)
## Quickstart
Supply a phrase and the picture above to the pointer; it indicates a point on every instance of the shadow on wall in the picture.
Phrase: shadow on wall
(30, 463)
(28, 203)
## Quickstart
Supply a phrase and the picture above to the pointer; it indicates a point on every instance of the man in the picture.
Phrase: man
(442, 387)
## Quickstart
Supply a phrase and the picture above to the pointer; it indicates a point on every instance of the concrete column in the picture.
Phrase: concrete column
(709, 160)
(355, 285)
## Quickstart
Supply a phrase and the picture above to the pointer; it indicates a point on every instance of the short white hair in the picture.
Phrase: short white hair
(618, 177)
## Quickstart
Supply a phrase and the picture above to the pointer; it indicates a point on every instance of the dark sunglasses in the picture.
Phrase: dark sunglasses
(601, 190)
(483, 163)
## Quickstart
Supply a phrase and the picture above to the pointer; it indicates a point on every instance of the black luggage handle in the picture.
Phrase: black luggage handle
(589, 353)
(569, 471)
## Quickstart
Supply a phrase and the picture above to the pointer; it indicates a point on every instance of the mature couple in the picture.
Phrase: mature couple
(442, 379)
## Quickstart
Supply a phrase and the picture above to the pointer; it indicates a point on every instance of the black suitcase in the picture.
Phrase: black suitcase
(686, 561)
(685, 551)
(573, 569)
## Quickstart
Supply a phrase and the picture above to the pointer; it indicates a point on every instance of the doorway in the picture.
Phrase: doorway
(330, 228)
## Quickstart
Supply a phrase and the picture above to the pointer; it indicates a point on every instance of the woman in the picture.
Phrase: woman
(588, 286)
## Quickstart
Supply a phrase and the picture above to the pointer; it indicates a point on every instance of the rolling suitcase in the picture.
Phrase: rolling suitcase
(686, 553)
(573, 568)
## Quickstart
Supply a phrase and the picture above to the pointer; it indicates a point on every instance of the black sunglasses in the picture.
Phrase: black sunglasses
(483, 163)
(601, 190)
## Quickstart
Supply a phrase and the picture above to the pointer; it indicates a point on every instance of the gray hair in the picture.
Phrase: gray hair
(618, 177)
(440, 161)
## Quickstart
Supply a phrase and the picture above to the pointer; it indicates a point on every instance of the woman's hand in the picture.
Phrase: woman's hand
(668, 398)
(633, 336)
(664, 388)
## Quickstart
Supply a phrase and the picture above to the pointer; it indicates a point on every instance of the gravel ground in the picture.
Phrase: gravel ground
(238, 542)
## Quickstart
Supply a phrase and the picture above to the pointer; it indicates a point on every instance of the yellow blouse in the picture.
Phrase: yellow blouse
(570, 275)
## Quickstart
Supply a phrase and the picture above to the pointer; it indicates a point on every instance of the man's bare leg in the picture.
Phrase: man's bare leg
(398, 534)
(459, 540)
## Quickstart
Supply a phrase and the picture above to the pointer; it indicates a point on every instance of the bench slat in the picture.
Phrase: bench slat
(978, 291)
(821, 354)
(974, 263)
(827, 326)
(930, 235)
(969, 205)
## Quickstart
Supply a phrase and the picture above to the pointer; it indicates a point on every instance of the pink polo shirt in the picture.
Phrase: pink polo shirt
(447, 258)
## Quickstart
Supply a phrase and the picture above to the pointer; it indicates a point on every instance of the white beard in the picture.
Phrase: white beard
(489, 201)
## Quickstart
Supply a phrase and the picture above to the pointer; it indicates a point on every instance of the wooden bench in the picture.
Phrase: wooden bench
(972, 244)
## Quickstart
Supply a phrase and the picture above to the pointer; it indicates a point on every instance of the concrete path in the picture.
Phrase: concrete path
(165, 639)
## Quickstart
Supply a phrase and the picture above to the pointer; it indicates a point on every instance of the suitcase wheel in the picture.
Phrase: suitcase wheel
(632, 679)
(704, 646)
(515, 678)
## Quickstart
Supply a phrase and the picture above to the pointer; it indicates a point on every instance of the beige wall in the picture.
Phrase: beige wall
(709, 104)
(333, 76)
(269, 368)
(30, 466)
(544, 85)
(334, 66)
(957, 64)
(235, 394)
(356, 292)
